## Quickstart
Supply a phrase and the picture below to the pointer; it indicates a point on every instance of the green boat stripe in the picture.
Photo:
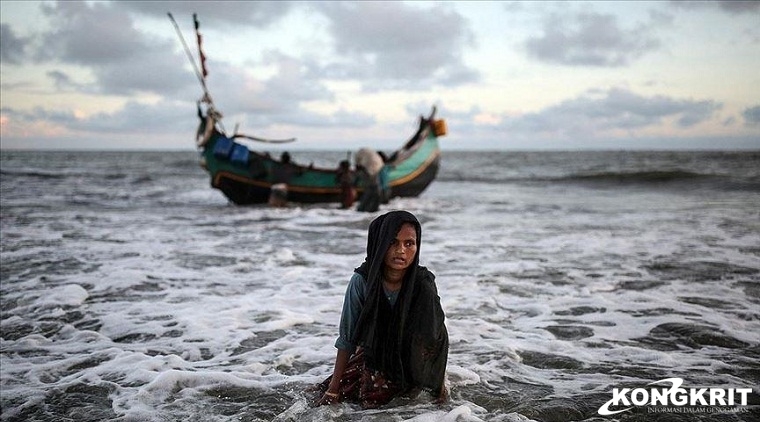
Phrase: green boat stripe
(411, 176)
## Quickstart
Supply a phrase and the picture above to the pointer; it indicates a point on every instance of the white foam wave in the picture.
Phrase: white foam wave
(550, 289)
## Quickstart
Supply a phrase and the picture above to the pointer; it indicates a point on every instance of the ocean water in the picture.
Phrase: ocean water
(132, 291)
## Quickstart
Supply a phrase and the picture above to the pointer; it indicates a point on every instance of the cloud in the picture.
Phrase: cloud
(394, 45)
(278, 99)
(88, 34)
(64, 83)
(215, 13)
(731, 7)
(163, 117)
(267, 100)
(39, 114)
(104, 40)
(597, 113)
(590, 39)
(342, 119)
(752, 116)
(296, 80)
(114, 53)
(739, 7)
(12, 47)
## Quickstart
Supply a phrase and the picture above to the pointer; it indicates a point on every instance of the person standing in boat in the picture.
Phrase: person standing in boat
(392, 339)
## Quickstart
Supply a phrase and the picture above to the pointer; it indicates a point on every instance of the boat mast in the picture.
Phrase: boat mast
(201, 76)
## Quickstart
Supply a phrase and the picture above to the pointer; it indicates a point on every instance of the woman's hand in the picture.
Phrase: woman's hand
(328, 398)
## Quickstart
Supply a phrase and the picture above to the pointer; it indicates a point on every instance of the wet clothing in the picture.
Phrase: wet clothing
(403, 343)
(356, 295)
(365, 386)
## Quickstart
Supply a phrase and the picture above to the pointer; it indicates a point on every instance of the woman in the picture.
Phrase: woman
(392, 334)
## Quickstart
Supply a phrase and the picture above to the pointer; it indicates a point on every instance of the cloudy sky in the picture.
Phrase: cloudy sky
(337, 75)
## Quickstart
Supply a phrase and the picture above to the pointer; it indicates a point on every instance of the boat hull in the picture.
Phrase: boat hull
(249, 181)
(244, 191)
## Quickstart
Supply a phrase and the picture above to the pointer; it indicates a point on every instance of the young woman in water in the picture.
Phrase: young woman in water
(392, 338)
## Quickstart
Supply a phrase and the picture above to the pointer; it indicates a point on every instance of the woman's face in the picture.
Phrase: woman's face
(403, 248)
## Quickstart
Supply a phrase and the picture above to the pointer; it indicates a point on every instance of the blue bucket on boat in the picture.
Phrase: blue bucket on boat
(223, 147)
(239, 155)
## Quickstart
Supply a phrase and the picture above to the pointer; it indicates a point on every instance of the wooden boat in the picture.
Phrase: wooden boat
(246, 176)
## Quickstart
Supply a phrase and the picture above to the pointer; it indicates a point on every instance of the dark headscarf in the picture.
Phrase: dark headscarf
(407, 342)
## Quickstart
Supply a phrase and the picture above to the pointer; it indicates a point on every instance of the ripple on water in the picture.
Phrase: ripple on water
(699, 271)
(570, 332)
(581, 310)
(77, 402)
(506, 398)
(673, 335)
(562, 409)
(259, 340)
(751, 290)
(649, 312)
(31, 266)
(709, 302)
(744, 365)
(641, 285)
(236, 401)
(549, 361)
(202, 261)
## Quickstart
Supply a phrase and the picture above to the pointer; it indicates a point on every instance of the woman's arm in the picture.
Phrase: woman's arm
(352, 305)
(353, 302)
(333, 390)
